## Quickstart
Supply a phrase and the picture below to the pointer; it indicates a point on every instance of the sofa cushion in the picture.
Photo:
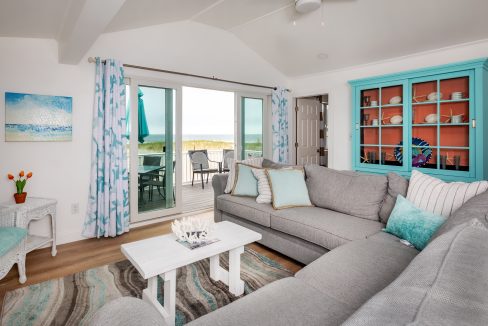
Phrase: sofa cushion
(246, 183)
(268, 164)
(355, 194)
(10, 237)
(288, 188)
(397, 185)
(476, 207)
(287, 302)
(322, 226)
(442, 198)
(355, 272)
(446, 284)
(246, 208)
(413, 224)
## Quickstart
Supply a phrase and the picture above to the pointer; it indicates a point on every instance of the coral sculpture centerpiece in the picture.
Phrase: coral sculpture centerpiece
(193, 230)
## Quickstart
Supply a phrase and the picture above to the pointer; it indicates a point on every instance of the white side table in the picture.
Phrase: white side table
(35, 209)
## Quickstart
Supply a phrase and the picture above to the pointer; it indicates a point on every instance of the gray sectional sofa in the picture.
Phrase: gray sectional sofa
(357, 274)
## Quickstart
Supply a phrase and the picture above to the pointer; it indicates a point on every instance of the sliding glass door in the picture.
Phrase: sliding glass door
(153, 150)
(252, 138)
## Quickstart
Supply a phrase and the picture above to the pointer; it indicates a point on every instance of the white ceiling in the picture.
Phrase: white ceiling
(355, 31)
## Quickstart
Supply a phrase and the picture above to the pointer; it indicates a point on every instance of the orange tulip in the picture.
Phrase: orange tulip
(21, 174)
(29, 175)
(10, 177)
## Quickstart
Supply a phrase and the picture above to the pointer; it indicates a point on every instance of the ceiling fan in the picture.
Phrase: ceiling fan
(305, 6)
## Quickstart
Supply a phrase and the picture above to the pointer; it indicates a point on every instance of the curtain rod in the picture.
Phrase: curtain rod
(92, 60)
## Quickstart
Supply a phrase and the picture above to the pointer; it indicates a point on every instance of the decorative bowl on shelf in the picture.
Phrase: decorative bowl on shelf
(396, 119)
(434, 96)
(456, 95)
(431, 118)
(396, 100)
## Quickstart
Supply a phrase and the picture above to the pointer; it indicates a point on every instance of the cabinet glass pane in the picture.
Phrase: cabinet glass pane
(455, 89)
(370, 135)
(425, 92)
(370, 155)
(392, 95)
(370, 97)
(454, 159)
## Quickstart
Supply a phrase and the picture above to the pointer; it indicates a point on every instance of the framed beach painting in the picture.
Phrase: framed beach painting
(30, 117)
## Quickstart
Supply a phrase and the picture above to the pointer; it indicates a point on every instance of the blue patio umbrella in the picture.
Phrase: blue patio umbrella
(143, 130)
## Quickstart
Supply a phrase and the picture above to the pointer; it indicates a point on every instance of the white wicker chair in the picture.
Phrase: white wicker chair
(10, 218)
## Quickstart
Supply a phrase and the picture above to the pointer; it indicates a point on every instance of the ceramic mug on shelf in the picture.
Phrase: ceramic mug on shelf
(457, 118)
(374, 122)
(374, 103)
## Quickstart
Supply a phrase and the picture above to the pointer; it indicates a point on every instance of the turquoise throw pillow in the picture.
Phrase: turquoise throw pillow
(288, 188)
(246, 183)
(10, 237)
(413, 224)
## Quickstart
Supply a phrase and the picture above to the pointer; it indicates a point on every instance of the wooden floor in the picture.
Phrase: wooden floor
(194, 198)
(85, 254)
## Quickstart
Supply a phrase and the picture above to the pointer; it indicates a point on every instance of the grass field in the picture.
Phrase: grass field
(157, 147)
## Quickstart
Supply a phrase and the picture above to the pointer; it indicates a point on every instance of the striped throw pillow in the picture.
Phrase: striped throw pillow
(255, 161)
(439, 197)
(264, 190)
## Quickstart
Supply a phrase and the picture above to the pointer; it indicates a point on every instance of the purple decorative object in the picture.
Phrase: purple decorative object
(421, 152)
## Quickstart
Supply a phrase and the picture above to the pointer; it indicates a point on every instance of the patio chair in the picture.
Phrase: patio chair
(201, 164)
(149, 160)
(159, 181)
(226, 156)
(13, 235)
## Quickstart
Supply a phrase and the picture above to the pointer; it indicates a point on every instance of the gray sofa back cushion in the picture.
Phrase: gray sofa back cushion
(397, 185)
(446, 284)
(476, 207)
(268, 164)
(356, 194)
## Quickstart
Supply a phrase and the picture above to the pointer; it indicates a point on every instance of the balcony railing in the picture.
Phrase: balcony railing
(213, 155)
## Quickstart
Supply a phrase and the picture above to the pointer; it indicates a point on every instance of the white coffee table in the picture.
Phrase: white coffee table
(161, 256)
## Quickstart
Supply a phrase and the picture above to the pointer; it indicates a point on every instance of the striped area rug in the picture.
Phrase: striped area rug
(72, 300)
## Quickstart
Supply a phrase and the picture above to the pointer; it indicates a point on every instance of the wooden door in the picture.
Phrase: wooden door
(308, 131)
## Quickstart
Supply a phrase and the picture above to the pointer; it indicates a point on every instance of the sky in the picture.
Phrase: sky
(38, 109)
(205, 112)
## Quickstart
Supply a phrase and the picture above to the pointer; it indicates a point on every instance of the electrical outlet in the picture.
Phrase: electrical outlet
(75, 208)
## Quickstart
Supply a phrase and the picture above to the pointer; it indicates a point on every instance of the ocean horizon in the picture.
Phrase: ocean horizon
(35, 132)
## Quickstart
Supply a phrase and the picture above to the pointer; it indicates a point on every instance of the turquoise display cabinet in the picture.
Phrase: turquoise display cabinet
(432, 119)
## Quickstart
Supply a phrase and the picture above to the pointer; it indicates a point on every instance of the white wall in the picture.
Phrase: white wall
(335, 84)
(61, 170)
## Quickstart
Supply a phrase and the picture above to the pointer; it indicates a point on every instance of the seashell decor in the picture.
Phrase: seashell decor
(193, 229)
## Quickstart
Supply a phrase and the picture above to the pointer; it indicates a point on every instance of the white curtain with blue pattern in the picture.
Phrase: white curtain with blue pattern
(279, 112)
(108, 202)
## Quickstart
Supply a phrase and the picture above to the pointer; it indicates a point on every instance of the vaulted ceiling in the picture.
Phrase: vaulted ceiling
(343, 33)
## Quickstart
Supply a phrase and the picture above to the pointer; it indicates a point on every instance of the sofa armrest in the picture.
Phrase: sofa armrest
(219, 181)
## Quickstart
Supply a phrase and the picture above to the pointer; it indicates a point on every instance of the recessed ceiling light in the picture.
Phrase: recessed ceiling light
(305, 6)
(322, 56)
